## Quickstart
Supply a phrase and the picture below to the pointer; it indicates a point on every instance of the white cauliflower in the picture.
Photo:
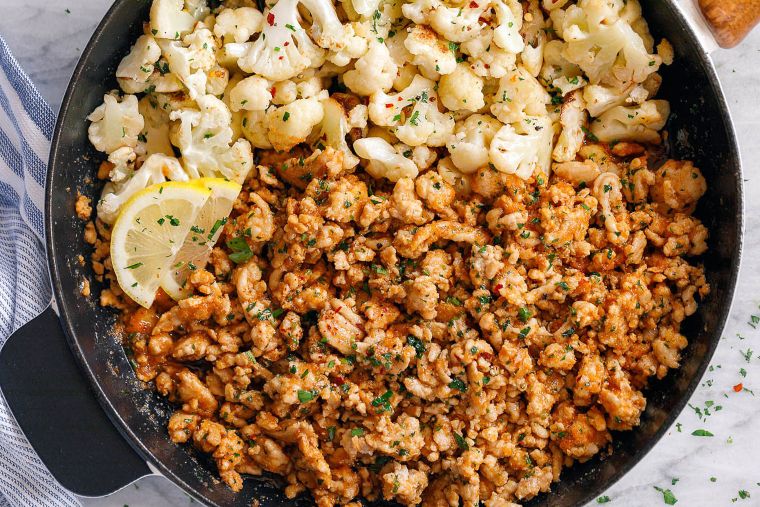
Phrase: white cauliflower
(253, 126)
(334, 129)
(138, 65)
(412, 114)
(523, 149)
(519, 95)
(573, 120)
(283, 50)
(557, 72)
(291, 124)
(506, 33)
(462, 89)
(534, 35)
(432, 55)
(168, 20)
(363, 8)
(639, 123)
(122, 161)
(284, 92)
(469, 145)
(610, 54)
(456, 23)
(115, 123)
(217, 80)
(238, 25)
(601, 98)
(486, 58)
(191, 59)
(155, 132)
(383, 159)
(453, 176)
(251, 94)
(203, 137)
(374, 71)
(156, 169)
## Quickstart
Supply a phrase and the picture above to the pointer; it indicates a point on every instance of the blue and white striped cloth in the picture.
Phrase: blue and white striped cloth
(26, 126)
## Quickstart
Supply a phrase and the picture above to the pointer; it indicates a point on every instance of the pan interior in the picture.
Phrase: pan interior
(700, 130)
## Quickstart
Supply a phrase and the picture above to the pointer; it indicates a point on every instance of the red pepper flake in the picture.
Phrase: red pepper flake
(339, 380)
(738, 387)
(270, 19)
(281, 58)
(498, 287)
(286, 43)
(388, 106)
(273, 91)
(473, 5)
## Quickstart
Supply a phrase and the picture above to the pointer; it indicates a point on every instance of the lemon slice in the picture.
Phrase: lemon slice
(149, 232)
(203, 235)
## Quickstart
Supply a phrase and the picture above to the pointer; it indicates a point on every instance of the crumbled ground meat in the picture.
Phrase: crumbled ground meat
(83, 207)
(410, 343)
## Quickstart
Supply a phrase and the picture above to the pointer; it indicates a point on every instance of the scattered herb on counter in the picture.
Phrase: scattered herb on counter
(702, 433)
(667, 496)
(603, 499)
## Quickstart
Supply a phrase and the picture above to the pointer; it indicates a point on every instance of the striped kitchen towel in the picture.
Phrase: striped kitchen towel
(26, 126)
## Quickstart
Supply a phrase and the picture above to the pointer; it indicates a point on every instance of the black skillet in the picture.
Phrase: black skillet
(94, 447)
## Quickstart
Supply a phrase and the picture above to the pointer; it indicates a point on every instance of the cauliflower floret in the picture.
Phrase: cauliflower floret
(573, 121)
(506, 34)
(469, 145)
(238, 25)
(363, 7)
(155, 131)
(115, 124)
(138, 65)
(283, 50)
(291, 124)
(462, 89)
(432, 55)
(335, 128)
(374, 71)
(458, 24)
(423, 124)
(251, 94)
(613, 54)
(191, 59)
(451, 175)
(524, 149)
(558, 72)
(204, 136)
(168, 20)
(519, 95)
(383, 159)
(253, 126)
(486, 58)
(156, 169)
(640, 123)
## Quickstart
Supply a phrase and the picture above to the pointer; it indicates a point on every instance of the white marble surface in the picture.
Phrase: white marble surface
(47, 37)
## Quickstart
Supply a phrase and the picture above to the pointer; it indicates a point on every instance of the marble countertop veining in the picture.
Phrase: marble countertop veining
(47, 38)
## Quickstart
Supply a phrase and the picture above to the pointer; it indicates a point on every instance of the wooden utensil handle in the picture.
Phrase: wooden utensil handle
(730, 20)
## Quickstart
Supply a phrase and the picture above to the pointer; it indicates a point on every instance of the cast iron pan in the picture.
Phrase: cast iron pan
(55, 401)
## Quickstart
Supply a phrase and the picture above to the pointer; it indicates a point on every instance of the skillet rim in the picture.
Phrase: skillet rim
(146, 454)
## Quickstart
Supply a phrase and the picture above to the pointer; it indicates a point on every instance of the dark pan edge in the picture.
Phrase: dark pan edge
(54, 269)
(712, 81)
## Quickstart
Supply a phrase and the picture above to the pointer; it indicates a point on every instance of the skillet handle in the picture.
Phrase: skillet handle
(730, 20)
(59, 414)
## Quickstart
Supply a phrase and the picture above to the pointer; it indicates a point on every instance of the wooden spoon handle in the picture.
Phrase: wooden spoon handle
(730, 20)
